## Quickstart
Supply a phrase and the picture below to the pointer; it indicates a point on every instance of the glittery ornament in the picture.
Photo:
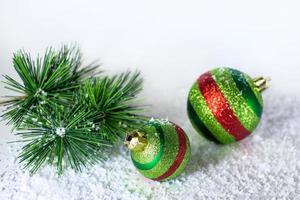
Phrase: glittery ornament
(225, 105)
(160, 150)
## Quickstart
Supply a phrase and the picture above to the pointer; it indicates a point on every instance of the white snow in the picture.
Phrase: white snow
(265, 165)
(60, 131)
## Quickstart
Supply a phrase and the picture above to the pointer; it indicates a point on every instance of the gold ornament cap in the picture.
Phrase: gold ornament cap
(136, 141)
(261, 83)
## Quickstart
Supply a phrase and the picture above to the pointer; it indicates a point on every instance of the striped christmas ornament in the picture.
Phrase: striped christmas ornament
(225, 105)
(160, 150)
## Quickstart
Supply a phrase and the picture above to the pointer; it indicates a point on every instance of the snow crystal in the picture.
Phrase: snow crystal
(97, 128)
(34, 119)
(44, 93)
(60, 131)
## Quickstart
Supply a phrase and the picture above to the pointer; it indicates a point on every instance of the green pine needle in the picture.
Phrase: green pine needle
(60, 134)
(64, 114)
(114, 100)
(51, 79)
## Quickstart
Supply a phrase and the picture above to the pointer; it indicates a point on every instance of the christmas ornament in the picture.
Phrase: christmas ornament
(225, 105)
(160, 150)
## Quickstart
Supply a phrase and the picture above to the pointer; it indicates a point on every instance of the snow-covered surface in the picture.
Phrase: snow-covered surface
(265, 165)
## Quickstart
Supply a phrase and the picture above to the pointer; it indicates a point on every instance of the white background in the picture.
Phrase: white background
(170, 42)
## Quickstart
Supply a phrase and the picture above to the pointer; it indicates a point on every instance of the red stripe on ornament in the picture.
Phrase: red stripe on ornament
(220, 107)
(179, 157)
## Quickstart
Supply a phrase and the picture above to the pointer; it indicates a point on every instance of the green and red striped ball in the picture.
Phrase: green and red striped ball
(224, 105)
(166, 154)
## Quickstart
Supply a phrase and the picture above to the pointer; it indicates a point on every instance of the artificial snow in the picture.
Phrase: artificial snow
(265, 165)
(60, 131)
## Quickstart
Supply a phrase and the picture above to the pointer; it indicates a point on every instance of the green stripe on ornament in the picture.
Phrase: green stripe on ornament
(237, 102)
(156, 159)
(171, 149)
(203, 112)
(255, 90)
(246, 90)
(199, 125)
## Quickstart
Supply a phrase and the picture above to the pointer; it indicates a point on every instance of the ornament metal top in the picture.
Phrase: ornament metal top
(225, 105)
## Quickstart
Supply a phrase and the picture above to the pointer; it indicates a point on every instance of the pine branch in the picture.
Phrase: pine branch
(114, 100)
(66, 115)
(48, 80)
(60, 134)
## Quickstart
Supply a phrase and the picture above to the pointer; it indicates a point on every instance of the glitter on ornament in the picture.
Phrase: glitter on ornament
(225, 105)
(160, 150)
